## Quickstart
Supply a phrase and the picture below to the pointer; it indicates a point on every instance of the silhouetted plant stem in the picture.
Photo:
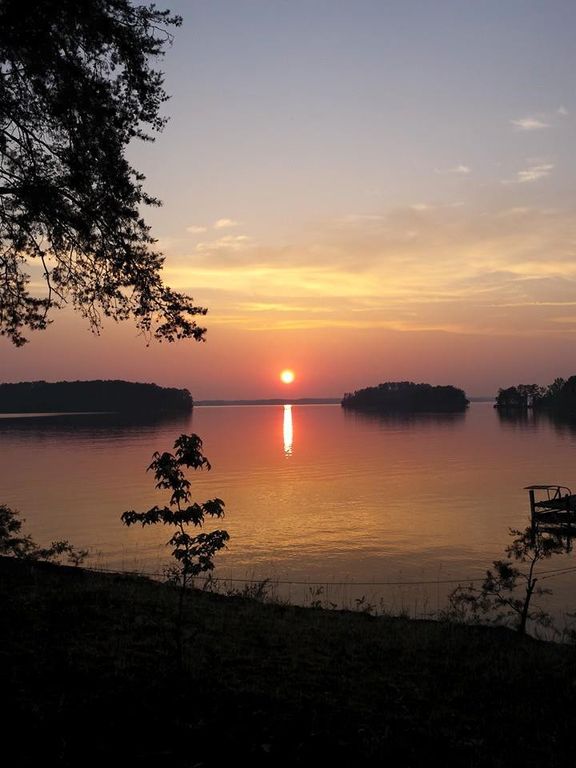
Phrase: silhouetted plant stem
(193, 554)
(496, 597)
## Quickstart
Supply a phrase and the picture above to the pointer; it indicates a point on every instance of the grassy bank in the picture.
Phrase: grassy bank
(89, 674)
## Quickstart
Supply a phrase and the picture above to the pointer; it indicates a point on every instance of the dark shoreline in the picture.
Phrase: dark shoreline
(94, 396)
(90, 672)
(274, 401)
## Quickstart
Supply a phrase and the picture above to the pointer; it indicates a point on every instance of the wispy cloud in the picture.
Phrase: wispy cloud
(225, 223)
(459, 170)
(562, 110)
(311, 307)
(226, 243)
(529, 124)
(532, 173)
(195, 229)
(355, 219)
(463, 272)
(517, 210)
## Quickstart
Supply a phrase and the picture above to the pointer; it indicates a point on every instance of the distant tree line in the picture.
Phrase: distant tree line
(407, 397)
(560, 397)
(98, 396)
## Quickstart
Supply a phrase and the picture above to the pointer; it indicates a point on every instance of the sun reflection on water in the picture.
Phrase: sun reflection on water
(288, 430)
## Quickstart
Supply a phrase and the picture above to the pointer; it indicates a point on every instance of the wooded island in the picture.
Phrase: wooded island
(407, 397)
(92, 396)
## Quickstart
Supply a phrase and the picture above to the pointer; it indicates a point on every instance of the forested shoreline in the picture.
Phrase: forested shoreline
(558, 398)
(92, 396)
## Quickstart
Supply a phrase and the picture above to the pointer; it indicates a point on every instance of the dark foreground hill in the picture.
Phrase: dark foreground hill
(89, 676)
(92, 396)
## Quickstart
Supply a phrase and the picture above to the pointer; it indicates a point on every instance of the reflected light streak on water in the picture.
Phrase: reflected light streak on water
(288, 430)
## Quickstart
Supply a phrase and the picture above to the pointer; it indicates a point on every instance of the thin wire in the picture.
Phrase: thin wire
(302, 582)
(551, 574)
(543, 575)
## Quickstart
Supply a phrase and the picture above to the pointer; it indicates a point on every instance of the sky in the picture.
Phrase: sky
(361, 191)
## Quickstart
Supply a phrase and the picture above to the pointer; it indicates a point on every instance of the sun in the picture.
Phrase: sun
(287, 376)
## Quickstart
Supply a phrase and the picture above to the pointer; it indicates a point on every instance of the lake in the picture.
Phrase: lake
(346, 507)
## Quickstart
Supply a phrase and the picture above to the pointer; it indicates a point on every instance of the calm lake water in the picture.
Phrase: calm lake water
(313, 494)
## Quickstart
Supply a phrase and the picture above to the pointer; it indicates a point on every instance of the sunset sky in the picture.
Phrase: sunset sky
(359, 191)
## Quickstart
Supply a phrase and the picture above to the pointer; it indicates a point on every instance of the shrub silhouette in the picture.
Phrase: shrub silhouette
(507, 591)
(193, 554)
(13, 543)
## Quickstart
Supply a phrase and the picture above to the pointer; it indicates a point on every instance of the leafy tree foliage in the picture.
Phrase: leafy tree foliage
(554, 389)
(76, 86)
(558, 398)
(507, 591)
(561, 397)
(521, 396)
(13, 543)
(193, 554)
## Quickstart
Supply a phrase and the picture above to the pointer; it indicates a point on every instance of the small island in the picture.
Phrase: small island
(93, 397)
(407, 397)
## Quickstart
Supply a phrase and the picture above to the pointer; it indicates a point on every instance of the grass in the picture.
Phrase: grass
(90, 675)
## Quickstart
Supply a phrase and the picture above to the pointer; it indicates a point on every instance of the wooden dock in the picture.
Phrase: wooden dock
(553, 505)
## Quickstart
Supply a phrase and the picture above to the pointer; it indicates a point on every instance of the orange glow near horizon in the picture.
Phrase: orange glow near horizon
(287, 376)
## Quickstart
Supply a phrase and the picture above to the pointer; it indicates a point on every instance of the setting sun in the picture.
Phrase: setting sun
(287, 376)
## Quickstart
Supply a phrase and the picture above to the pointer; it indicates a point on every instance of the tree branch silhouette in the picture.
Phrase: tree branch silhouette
(77, 84)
